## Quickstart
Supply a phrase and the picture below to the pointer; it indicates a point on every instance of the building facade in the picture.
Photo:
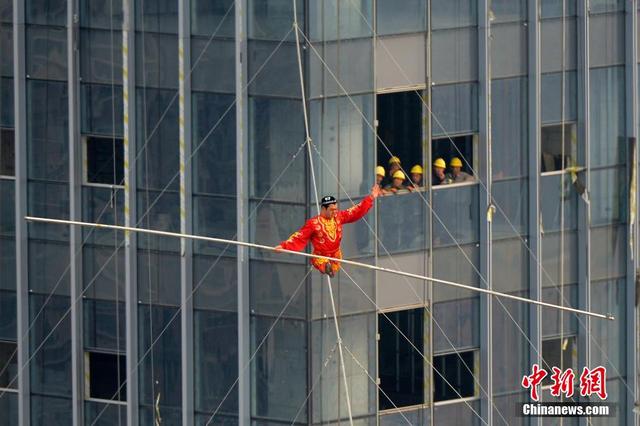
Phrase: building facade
(187, 116)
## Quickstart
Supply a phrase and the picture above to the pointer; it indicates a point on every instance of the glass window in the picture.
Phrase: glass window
(457, 215)
(453, 13)
(47, 53)
(9, 363)
(46, 12)
(510, 265)
(610, 297)
(160, 212)
(402, 224)
(606, 39)
(608, 195)
(215, 282)
(457, 324)
(104, 160)
(275, 283)
(556, 190)
(511, 350)
(213, 68)
(411, 17)
(102, 14)
(276, 133)
(209, 16)
(461, 265)
(8, 312)
(101, 109)
(104, 325)
(456, 50)
(48, 267)
(607, 116)
(561, 353)
(110, 414)
(214, 144)
(6, 102)
(509, 10)
(609, 254)
(508, 50)
(7, 152)
(216, 355)
(160, 370)
(553, 58)
(558, 144)
(463, 413)
(214, 217)
(158, 16)
(107, 375)
(100, 57)
(551, 99)
(6, 10)
(103, 270)
(333, 19)
(158, 135)
(401, 366)
(158, 277)
(455, 107)
(453, 376)
(509, 127)
(279, 376)
(277, 76)
(272, 19)
(553, 8)
(273, 223)
(156, 60)
(597, 6)
(50, 411)
(6, 47)
(51, 364)
(47, 130)
(512, 198)
(9, 408)
(555, 321)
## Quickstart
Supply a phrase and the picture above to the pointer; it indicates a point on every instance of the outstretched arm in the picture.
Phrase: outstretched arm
(299, 239)
(356, 212)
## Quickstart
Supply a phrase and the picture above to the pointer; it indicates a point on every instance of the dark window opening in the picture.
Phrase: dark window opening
(452, 376)
(400, 128)
(401, 366)
(8, 365)
(105, 160)
(7, 153)
(454, 158)
(551, 147)
(107, 374)
(558, 353)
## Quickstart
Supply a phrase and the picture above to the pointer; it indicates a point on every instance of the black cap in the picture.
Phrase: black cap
(327, 200)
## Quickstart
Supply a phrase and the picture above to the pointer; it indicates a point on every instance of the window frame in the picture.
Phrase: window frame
(574, 358)
(475, 141)
(12, 130)
(564, 170)
(475, 373)
(85, 162)
(7, 389)
(87, 377)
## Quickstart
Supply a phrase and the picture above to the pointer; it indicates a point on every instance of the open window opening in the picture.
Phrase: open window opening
(400, 128)
(8, 360)
(453, 376)
(105, 373)
(551, 142)
(453, 160)
(561, 353)
(401, 366)
(104, 160)
(7, 153)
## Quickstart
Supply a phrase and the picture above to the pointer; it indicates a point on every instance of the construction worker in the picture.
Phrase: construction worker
(416, 178)
(438, 176)
(379, 174)
(457, 175)
(394, 165)
(397, 183)
(325, 231)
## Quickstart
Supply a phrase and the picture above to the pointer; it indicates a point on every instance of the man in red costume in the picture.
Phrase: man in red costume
(325, 231)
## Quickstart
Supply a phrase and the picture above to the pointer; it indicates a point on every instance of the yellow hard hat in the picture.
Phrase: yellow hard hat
(455, 162)
(398, 175)
(439, 162)
(416, 169)
(380, 171)
(394, 159)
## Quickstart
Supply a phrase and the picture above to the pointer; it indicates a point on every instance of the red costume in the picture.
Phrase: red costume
(326, 234)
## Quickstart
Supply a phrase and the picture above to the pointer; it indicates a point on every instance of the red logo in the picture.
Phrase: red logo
(592, 381)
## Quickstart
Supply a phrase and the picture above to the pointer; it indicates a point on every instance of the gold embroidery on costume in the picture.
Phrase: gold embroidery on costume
(294, 235)
(330, 228)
